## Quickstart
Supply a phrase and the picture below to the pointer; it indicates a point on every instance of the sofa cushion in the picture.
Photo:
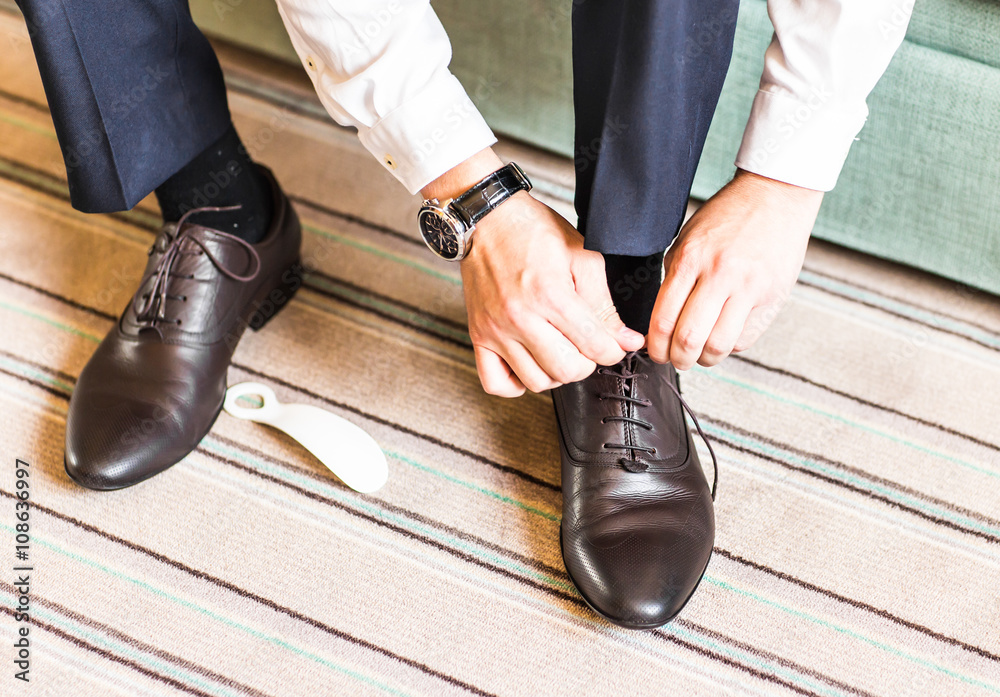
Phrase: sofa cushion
(965, 28)
(922, 184)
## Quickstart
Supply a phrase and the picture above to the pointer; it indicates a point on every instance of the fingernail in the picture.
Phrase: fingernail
(631, 336)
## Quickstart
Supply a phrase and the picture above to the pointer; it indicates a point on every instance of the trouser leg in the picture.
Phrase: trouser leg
(135, 91)
(647, 76)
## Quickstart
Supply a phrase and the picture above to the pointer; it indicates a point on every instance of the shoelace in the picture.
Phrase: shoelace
(628, 375)
(149, 307)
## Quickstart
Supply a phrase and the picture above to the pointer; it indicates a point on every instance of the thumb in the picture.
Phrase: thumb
(628, 339)
(598, 296)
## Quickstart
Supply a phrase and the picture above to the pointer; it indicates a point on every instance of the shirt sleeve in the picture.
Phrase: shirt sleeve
(824, 60)
(382, 67)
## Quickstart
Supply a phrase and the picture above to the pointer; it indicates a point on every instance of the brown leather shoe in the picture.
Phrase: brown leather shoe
(638, 522)
(155, 385)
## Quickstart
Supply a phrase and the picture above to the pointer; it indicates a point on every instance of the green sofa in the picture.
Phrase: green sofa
(921, 186)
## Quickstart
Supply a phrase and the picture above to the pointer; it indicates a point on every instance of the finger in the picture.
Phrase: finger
(700, 314)
(495, 375)
(666, 312)
(726, 333)
(557, 355)
(526, 368)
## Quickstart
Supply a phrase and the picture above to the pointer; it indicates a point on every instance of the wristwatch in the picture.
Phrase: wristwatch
(447, 226)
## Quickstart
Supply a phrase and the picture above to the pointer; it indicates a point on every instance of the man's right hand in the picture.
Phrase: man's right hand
(540, 312)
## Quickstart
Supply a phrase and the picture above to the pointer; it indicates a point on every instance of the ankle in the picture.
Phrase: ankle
(221, 175)
(634, 283)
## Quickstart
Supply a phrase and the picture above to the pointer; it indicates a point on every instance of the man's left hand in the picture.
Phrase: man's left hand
(730, 270)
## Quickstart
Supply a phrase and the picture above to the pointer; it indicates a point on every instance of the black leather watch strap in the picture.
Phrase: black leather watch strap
(482, 198)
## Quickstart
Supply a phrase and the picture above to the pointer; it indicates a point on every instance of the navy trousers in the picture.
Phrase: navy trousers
(646, 80)
(136, 92)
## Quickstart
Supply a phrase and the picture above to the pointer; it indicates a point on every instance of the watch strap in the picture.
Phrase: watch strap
(482, 198)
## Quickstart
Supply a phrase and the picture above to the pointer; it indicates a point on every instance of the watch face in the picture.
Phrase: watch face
(440, 234)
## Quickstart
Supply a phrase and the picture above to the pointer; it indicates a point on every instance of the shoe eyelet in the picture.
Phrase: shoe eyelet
(653, 451)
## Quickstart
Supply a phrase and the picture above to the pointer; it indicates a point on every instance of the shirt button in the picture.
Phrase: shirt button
(389, 162)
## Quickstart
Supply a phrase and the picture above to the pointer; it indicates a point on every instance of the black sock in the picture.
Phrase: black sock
(221, 175)
(634, 283)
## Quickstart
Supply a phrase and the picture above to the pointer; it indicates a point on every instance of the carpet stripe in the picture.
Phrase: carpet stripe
(139, 583)
(791, 665)
(855, 635)
(907, 312)
(884, 614)
(864, 402)
(730, 435)
(771, 394)
(315, 476)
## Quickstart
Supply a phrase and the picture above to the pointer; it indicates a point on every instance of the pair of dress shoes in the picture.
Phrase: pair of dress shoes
(638, 525)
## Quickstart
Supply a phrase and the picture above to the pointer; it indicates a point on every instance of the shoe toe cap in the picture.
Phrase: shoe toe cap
(111, 443)
(639, 579)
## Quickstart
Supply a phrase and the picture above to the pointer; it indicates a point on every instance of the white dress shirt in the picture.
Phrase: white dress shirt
(382, 66)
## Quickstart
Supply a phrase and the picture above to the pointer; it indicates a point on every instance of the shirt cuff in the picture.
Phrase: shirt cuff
(800, 141)
(433, 131)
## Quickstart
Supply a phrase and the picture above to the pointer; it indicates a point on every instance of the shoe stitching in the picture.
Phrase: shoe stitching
(634, 464)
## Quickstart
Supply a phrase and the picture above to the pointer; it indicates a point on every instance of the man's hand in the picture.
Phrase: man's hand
(730, 270)
(540, 312)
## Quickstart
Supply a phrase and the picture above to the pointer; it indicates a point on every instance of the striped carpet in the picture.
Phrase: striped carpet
(858, 547)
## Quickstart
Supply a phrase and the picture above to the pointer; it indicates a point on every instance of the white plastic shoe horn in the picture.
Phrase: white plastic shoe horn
(346, 449)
